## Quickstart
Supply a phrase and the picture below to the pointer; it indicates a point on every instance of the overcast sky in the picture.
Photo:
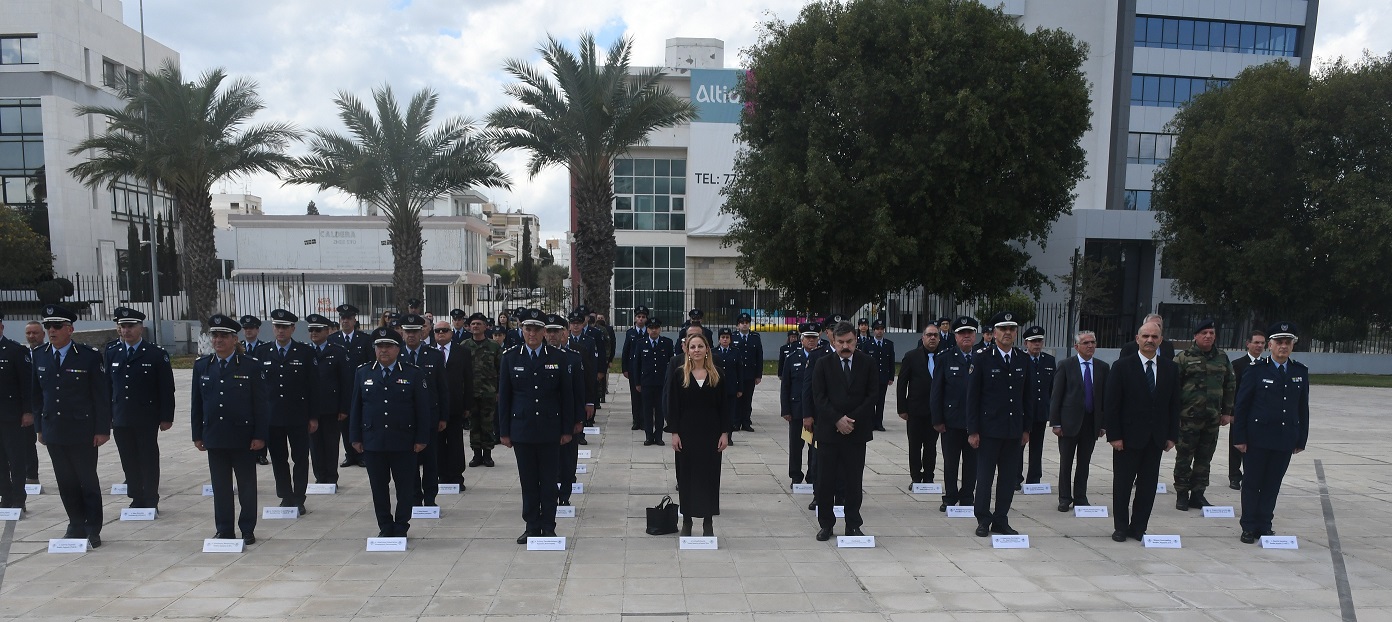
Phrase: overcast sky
(302, 52)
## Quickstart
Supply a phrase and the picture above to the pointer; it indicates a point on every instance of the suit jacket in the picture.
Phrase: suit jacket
(1133, 414)
(72, 401)
(915, 389)
(1066, 403)
(15, 381)
(1131, 348)
(834, 397)
(458, 381)
(950, 385)
(228, 408)
(996, 406)
(142, 385)
(1240, 365)
(536, 397)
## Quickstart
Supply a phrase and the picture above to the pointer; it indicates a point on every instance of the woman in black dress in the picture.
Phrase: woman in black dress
(699, 411)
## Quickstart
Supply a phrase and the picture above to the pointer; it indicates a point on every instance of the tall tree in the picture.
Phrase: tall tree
(24, 256)
(582, 116)
(526, 268)
(1277, 197)
(195, 134)
(901, 143)
(396, 162)
(137, 265)
(311, 209)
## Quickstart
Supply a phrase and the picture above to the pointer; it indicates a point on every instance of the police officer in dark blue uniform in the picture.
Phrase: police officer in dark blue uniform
(1037, 395)
(142, 405)
(390, 422)
(794, 342)
(751, 351)
(291, 381)
(586, 392)
(536, 413)
(16, 419)
(998, 423)
(883, 352)
(632, 337)
(862, 333)
(459, 326)
(251, 329)
(730, 359)
(652, 357)
(588, 343)
(515, 337)
(72, 406)
(695, 317)
(333, 391)
(1271, 423)
(414, 333)
(230, 418)
(358, 344)
(949, 410)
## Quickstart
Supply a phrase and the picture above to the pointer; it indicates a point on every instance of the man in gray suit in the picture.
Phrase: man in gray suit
(1075, 414)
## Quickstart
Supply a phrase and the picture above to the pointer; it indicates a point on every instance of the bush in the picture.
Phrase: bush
(52, 292)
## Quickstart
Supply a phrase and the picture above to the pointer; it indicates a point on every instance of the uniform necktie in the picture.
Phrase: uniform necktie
(282, 353)
(386, 373)
(58, 356)
(1007, 360)
(1087, 386)
(1282, 368)
(130, 352)
(222, 365)
(413, 356)
(932, 364)
(1150, 374)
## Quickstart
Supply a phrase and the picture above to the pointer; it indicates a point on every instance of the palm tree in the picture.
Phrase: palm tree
(582, 116)
(398, 164)
(182, 137)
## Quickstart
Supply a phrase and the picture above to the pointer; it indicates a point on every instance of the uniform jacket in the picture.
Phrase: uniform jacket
(229, 408)
(71, 404)
(751, 349)
(486, 358)
(731, 364)
(432, 364)
(950, 385)
(333, 382)
(358, 344)
(394, 413)
(823, 350)
(290, 382)
(996, 406)
(536, 396)
(1207, 385)
(630, 349)
(915, 389)
(783, 352)
(797, 372)
(16, 381)
(834, 396)
(582, 385)
(1133, 414)
(1066, 399)
(883, 353)
(601, 345)
(458, 384)
(650, 362)
(1041, 386)
(1273, 412)
(142, 386)
(588, 383)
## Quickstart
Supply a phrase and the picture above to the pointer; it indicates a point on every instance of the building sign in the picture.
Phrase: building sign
(711, 154)
(716, 95)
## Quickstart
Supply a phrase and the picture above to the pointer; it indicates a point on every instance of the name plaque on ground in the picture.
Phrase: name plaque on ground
(9, 514)
(926, 489)
(855, 542)
(583, 454)
(219, 545)
(376, 545)
(321, 489)
(1162, 542)
(961, 511)
(565, 511)
(137, 513)
(119, 489)
(546, 544)
(1218, 511)
(277, 512)
(693, 543)
(1090, 511)
(1037, 489)
(577, 489)
(1019, 541)
(67, 545)
(839, 511)
(425, 511)
(803, 489)
(1160, 488)
(591, 430)
(1280, 542)
(208, 490)
(33, 489)
(581, 469)
(449, 489)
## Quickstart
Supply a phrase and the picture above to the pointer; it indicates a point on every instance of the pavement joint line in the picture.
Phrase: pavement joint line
(1336, 551)
(5, 541)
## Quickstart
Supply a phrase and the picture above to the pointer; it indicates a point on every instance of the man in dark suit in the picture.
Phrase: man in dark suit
(883, 351)
(793, 380)
(432, 366)
(459, 390)
(652, 355)
(391, 420)
(844, 389)
(1272, 424)
(230, 418)
(1256, 345)
(915, 407)
(1042, 368)
(949, 409)
(1075, 414)
(998, 423)
(359, 347)
(1166, 348)
(142, 405)
(1141, 409)
(290, 382)
(333, 394)
(635, 334)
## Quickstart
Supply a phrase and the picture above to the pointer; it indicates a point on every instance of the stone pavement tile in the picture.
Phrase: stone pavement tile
(1106, 616)
(880, 584)
(524, 587)
(331, 606)
(458, 605)
(361, 572)
(593, 587)
(264, 607)
(1241, 615)
(591, 570)
(819, 569)
(13, 606)
(842, 601)
(1324, 615)
(1118, 582)
(771, 585)
(850, 616)
(878, 569)
(986, 617)
(412, 587)
(198, 607)
(712, 585)
(748, 569)
(1089, 600)
(959, 584)
(1147, 599)
(1178, 615)
(1208, 599)
(921, 616)
(906, 601)
(1028, 601)
(67, 607)
(394, 605)
(573, 604)
(226, 589)
(708, 569)
(652, 585)
(131, 607)
(774, 603)
(717, 603)
(653, 603)
(1066, 584)
(829, 585)
(241, 572)
(286, 589)
(670, 570)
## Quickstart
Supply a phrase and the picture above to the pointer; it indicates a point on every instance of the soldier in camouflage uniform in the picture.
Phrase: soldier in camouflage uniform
(487, 355)
(1207, 388)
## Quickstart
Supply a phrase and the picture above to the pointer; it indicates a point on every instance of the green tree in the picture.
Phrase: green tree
(526, 268)
(24, 256)
(182, 137)
(169, 263)
(1277, 197)
(503, 273)
(899, 143)
(311, 209)
(395, 161)
(582, 116)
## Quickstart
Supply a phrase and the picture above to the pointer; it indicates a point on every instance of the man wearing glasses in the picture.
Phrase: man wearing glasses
(333, 389)
(1075, 415)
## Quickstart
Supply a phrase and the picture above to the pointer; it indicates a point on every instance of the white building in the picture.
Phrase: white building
(56, 55)
(225, 205)
(507, 232)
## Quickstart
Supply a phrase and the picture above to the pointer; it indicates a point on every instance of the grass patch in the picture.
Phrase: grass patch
(184, 361)
(1352, 380)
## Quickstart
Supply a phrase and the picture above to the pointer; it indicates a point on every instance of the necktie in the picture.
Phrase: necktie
(846, 369)
(130, 352)
(1087, 386)
(282, 353)
(1150, 374)
(932, 365)
(386, 373)
(222, 365)
(1007, 360)
(413, 356)
(58, 354)
(1282, 369)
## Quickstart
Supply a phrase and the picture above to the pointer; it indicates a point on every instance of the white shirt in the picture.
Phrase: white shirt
(1156, 366)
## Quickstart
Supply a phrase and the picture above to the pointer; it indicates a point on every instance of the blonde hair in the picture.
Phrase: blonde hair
(712, 372)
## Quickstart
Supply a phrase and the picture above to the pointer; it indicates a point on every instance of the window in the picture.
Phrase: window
(650, 194)
(1217, 36)
(19, 50)
(130, 200)
(110, 71)
(652, 276)
(1169, 91)
(1147, 148)
(1136, 200)
(21, 143)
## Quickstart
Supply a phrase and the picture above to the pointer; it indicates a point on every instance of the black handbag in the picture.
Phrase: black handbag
(662, 519)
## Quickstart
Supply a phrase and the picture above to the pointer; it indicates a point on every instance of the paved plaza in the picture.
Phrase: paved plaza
(925, 566)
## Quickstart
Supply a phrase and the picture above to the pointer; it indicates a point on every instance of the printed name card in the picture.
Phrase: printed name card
(432, 511)
(67, 545)
(1280, 542)
(449, 489)
(839, 511)
(33, 489)
(581, 469)
(207, 490)
(855, 542)
(218, 545)
(565, 511)
(961, 511)
(802, 489)
(584, 454)
(9, 514)
(926, 489)
(275, 512)
(137, 513)
(691, 543)
(1090, 511)
(1218, 511)
(577, 489)
(119, 489)
(1162, 542)
(377, 545)
(321, 489)
(1160, 488)
(1019, 541)
(1037, 489)
(591, 430)
(546, 544)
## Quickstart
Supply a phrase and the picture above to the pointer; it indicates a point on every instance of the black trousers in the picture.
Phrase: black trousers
(1035, 465)
(653, 415)
(537, 464)
(453, 453)
(383, 468)
(923, 449)
(840, 469)
(16, 445)
(744, 411)
(997, 459)
(428, 460)
(958, 452)
(290, 442)
(1138, 468)
(31, 436)
(1260, 487)
(1073, 479)
(636, 399)
(1235, 459)
(795, 445)
(223, 465)
(323, 448)
(565, 471)
(350, 455)
(138, 446)
(75, 468)
(879, 404)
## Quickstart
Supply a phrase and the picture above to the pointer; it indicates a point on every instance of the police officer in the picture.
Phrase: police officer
(583, 387)
(432, 365)
(949, 409)
(1207, 387)
(16, 419)
(751, 350)
(632, 336)
(487, 356)
(793, 342)
(588, 345)
(793, 381)
(72, 405)
(358, 344)
(142, 405)
(230, 418)
(998, 423)
(882, 350)
(1037, 395)
(730, 359)
(515, 337)
(290, 383)
(652, 357)
(251, 333)
(333, 389)
(459, 326)
(390, 422)
(414, 306)
(1272, 423)
(695, 317)
(536, 413)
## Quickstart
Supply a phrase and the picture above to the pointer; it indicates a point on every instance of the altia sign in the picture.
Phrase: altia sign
(716, 94)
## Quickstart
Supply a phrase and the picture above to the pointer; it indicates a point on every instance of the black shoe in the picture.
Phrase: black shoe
(1081, 501)
(707, 530)
(94, 541)
(686, 527)
(387, 533)
(982, 531)
(1182, 502)
(1197, 501)
(565, 503)
(854, 531)
(746, 428)
(1018, 487)
(488, 458)
(361, 464)
(1139, 536)
(943, 507)
(347, 463)
(823, 534)
(1004, 530)
(1268, 533)
(522, 539)
(812, 506)
(928, 481)
(648, 443)
(1118, 536)
(248, 539)
(477, 461)
(262, 460)
(797, 479)
(224, 536)
(1248, 537)
(730, 442)
(1063, 506)
(548, 533)
(303, 511)
(659, 442)
(584, 442)
(880, 428)
(1235, 484)
(636, 427)
(75, 533)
